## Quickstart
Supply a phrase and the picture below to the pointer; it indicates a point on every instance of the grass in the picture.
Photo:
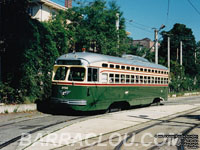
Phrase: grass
(15, 110)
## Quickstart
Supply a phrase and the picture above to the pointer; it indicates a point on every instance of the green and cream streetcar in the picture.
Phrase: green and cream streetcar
(87, 81)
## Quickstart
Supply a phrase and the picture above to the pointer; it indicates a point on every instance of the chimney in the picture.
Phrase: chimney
(68, 3)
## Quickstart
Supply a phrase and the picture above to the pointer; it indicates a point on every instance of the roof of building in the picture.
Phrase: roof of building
(50, 3)
(94, 57)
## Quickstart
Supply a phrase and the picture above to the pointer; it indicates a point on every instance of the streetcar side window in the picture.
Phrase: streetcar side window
(145, 79)
(76, 74)
(156, 80)
(122, 78)
(111, 66)
(116, 78)
(152, 80)
(61, 73)
(149, 80)
(127, 78)
(137, 79)
(92, 74)
(165, 80)
(161, 80)
(122, 67)
(111, 78)
(104, 77)
(132, 68)
(132, 78)
(141, 79)
(104, 65)
(117, 66)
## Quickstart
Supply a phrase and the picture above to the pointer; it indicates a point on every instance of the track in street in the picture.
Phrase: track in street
(30, 126)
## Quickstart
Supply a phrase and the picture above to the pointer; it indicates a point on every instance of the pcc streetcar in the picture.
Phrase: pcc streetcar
(86, 81)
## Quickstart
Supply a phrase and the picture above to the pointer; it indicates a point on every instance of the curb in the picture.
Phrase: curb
(4, 109)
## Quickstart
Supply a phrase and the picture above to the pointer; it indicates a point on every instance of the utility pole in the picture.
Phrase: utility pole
(181, 53)
(156, 42)
(156, 46)
(168, 48)
(117, 27)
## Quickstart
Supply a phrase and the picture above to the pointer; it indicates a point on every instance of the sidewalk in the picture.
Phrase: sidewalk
(17, 108)
(103, 124)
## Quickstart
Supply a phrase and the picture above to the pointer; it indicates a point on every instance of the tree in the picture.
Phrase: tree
(179, 33)
(94, 27)
(31, 50)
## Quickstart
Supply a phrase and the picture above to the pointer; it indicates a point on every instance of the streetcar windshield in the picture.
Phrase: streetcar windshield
(61, 73)
(76, 74)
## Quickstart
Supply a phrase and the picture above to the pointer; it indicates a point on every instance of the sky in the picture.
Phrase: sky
(143, 15)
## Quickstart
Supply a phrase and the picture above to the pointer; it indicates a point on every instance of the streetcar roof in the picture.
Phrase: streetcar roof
(95, 57)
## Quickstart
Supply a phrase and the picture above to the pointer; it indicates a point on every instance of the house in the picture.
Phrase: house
(43, 10)
(146, 42)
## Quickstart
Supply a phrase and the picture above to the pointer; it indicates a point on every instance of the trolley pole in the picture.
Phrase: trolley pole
(181, 53)
(168, 48)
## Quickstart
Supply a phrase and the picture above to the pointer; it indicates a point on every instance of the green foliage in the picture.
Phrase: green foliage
(8, 94)
(94, 27)
(186, 77)
(31, 50)
(179, 81)
(179, 33)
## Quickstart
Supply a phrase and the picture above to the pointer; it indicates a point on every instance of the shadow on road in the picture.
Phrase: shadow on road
(60, 109)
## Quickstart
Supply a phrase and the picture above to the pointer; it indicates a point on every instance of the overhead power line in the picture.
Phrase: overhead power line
(167, 13)
(141, 28)
(194, 7)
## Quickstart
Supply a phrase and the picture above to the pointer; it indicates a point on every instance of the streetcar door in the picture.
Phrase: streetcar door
(93, 75)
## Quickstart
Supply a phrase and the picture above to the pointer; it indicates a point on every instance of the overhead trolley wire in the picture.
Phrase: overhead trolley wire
(167, 13)
(141, 28)
(194, 7)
